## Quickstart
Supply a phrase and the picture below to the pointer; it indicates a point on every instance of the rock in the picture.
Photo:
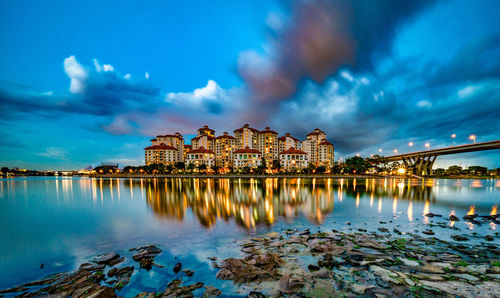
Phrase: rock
(116, 261)
(251, 268)
(290, 283)
(42, 266)
(442, 265)
(459, 238)
(360, 289)
(462, 289)
(409, 263)
(174, 289)
(177, 268)
(105, 258)
(488, 238)
(430, 269)
(467, 277)
(383, 230)
(211, 291)
(212, 258)
(312, 267)
(397, 231)
(432, 215)
(145, 252)
(146, 263)
(112, 272)
(255, 294)
(454, 218)
(323, 273)
(385, 275)
(91, 267)
(428, 232)
(145, 295)
(188, 272)
(470, 216)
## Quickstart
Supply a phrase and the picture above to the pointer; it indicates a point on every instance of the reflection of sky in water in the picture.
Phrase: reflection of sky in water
(62, 221)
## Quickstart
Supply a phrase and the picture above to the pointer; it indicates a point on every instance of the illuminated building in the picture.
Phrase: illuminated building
(293, 159)
(315, 141)
(268, 145)
(247, 136)
(224, 148)
(205, 139)
(325, 154)
(186, 150)
(247, 157)
(287, 141)
(165, 149)
(201, 156)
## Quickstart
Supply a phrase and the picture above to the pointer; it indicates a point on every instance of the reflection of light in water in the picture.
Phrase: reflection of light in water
(426, 211)
(357, 200)
(379, 208)
(111, 188)
(493, 225)
(410, 211)
(471, 225)
(471, 210)
(131, 192)
(452, 222)
(394, 205)
(354, 184)
(493, 210)
(476, 183)
(401, 185)
(497, 184)
(371, 200)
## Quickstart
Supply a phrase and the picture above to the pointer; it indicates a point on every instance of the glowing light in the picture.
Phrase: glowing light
(380, 150)
(452, 222)
(426, 211)
(428, 146)
(401, 171)
(357, 200)
(471, 210)
(472, 138)
(396, 151)
(493, 210)
(410, 211)
(410, 144)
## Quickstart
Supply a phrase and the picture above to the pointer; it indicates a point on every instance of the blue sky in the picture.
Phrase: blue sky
(89, 81)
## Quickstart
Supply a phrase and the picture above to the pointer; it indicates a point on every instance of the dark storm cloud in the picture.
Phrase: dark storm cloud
(320, 37)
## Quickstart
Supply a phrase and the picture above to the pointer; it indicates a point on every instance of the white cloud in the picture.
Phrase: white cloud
(467, 91)
(146, 75)
(54, 153)
(98, 66)
(127, 76)
(424, 104)
(77, 73)
(107, 67)
(211, 91)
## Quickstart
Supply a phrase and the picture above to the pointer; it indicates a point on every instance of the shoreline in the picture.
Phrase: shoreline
(293, 176)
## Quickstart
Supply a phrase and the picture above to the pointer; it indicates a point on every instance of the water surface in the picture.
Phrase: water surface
(62, 222)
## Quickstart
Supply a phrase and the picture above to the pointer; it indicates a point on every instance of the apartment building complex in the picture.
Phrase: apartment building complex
(249, 147)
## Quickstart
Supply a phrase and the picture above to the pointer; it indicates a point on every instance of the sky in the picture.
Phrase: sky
(83, 82)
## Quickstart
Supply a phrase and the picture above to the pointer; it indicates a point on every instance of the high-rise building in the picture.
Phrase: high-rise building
(311, 145)
(268, 145)
(247, 136)
(326, 154)
(287, 141)
(205, 139)
(225, 145)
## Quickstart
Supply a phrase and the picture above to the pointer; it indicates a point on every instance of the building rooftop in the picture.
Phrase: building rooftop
(292, 151)
(200, 150)
(161, 147)
(246, 126)
(247, 150)
(225, 136)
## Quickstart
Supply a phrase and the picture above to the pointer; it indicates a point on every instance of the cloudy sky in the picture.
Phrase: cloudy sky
(90, 81)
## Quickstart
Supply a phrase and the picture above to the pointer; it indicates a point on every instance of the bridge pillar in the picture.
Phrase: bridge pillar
(423, 165)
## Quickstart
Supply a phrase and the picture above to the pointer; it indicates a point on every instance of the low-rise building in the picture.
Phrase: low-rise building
(293, 159)
(161, 154)
(201, 156)
(247, 157)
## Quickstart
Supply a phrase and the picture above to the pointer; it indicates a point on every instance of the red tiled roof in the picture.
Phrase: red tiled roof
(201, 150)
(160, 147)
(206, 128)
(153, 140)
(187, 146)
(176, 135)
(325, 142)
(315, 132)
(247, 150)
(292, 151)
(246, 126)
(268, 130)
(225, 136)
(200, 136)
(288, 135)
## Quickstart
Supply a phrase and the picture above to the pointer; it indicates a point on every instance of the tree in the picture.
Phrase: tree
(478, 170)
(180, 165)
(190, 167)
(202, 167)
(260, 169)
(276, 164)
(355, 165)
(311, 168)
(245, 170)
(321, 169)
(5, 170)
(454, 170)
(439, 172)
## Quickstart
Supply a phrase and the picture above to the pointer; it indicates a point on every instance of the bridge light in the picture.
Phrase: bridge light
(473, 138)
(401, 171)
(428, 146)
(452, 137)
(410, 144)
(396, 151)
(380, 150)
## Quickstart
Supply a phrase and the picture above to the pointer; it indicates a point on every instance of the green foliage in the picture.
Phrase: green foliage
(355, 165)
(462, 264)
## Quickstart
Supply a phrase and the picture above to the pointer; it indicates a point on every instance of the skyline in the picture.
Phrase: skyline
(88, 82)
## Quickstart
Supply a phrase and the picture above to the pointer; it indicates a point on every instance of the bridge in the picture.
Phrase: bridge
(422, 161)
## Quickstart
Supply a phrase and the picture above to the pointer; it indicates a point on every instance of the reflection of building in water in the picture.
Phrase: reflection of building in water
(262, 201)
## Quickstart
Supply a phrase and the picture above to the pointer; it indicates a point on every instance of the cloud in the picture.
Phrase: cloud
(77, 74)
(57, 153)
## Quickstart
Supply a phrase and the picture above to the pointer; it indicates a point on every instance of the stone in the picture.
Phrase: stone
(430, 269)
(385, 275)
(290, 283)
(188, 272)
(467, 277)
(177, 268)
(428, 232)
(454, 218)
(105, 258)
(459, 238)
(91, 267)
(145, 252)
(255, 294)
(211, 291)
(409, 263)
(462, 289)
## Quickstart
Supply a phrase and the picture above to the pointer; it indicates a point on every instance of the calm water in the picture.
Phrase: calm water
(61, 222)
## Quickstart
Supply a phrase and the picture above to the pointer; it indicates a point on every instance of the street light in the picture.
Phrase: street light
(452, 137)
(473, 137)
(380, 150)
(396, 151)
(428, 146)
(410, 144)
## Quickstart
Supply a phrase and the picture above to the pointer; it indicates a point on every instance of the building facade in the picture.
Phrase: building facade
(247, 147)
(225, 145)
(201, 156)
(247, 157)
(293, 159)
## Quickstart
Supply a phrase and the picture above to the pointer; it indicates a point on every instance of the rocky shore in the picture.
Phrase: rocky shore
(303, 264)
